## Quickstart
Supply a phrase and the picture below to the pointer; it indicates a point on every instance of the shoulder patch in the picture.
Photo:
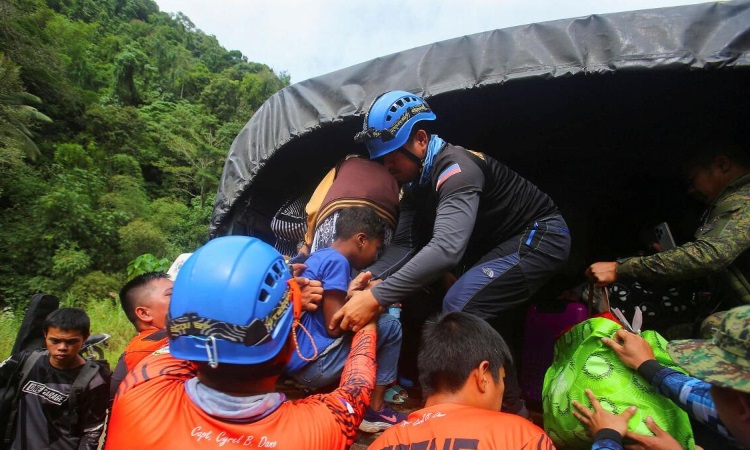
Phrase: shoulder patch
(447, 173)
(479, 155)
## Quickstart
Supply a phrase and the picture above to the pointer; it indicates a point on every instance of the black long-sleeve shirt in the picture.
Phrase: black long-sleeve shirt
(471, 204)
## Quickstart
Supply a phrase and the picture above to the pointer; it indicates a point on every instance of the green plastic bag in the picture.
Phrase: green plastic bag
(581, 361)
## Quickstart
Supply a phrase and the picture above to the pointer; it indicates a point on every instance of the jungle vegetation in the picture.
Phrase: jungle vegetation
(115, 119)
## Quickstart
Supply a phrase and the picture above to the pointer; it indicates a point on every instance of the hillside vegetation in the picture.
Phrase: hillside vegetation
(115, 119)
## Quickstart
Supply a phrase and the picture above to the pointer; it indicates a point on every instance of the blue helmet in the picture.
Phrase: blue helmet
(389, 121)
(231, 303)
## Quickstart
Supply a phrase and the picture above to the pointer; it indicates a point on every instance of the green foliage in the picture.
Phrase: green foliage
(107, 317)
(10, 322)
(126, 195)
(141, 236)
(119, 130)
(73, 155)
(69, 262)
(95, 286)
(115, 120)
(147, 263)
(129, 64)
(16, 116)
(125, 165)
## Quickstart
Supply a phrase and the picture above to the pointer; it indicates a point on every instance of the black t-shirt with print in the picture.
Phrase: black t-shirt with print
(43, 414)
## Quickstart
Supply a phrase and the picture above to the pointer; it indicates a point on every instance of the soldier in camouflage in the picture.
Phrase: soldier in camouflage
(720, 177)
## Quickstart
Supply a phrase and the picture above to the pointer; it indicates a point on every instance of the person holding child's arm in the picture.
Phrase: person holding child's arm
(358, 237)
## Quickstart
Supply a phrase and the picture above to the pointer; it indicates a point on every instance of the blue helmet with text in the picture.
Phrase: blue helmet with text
(389, 121)
(231, 303)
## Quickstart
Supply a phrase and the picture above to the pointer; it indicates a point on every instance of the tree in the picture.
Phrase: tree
(16, 116)
(128, 64)
(222, 97)
(144, 108)
(76, 41)
(119, 130)
(141, 236)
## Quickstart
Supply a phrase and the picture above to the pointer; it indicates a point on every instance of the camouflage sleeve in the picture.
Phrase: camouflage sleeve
(718, 243)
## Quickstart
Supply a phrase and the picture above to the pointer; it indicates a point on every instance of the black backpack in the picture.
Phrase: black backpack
(31, 333)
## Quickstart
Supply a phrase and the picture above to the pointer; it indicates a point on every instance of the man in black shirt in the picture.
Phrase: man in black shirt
(463, 213)
(52, 410)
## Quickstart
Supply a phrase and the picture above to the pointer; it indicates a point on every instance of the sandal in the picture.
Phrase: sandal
(403, 393)
(392, 396)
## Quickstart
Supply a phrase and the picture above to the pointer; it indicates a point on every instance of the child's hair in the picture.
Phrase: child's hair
(68, 319)
(359, 219)
(454, 344)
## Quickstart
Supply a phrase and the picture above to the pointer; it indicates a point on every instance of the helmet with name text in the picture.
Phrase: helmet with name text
(389, 121)
(232, 302)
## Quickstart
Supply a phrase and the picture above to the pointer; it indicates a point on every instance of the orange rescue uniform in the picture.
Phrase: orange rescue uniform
(146, 343)
(153, 410)
(453, 426)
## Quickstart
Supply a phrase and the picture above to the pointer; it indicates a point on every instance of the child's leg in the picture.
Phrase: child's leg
(326, 369)
(388, 351)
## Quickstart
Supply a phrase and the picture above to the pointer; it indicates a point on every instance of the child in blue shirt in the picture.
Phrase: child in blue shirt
(359, 235)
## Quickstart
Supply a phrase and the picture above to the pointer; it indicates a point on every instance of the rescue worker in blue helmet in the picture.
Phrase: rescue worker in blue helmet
(232, 326)
(463, 215)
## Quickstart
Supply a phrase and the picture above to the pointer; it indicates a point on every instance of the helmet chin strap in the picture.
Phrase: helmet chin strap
(414, 158)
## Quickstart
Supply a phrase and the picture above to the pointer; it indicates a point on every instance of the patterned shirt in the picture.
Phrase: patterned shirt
(607, 439)
(690, 394)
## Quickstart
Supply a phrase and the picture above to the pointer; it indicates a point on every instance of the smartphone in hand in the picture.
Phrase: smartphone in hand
(664, 237)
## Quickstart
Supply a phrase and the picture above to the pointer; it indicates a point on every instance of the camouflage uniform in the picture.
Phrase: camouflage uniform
(722, 361)
(720, 249)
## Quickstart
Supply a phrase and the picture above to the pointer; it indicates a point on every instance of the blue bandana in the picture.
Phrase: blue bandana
(433, 148)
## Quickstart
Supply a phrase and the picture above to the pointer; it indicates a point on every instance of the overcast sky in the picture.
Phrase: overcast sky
(307, 38)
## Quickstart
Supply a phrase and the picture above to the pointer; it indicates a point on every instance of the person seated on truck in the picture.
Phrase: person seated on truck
(233, 325)
(718, 176)
(462, 362)
(355, 181)
(461, 211)
(308, 223)
(359, 235)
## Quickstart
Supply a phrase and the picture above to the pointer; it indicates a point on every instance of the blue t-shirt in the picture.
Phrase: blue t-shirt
(332, 269)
